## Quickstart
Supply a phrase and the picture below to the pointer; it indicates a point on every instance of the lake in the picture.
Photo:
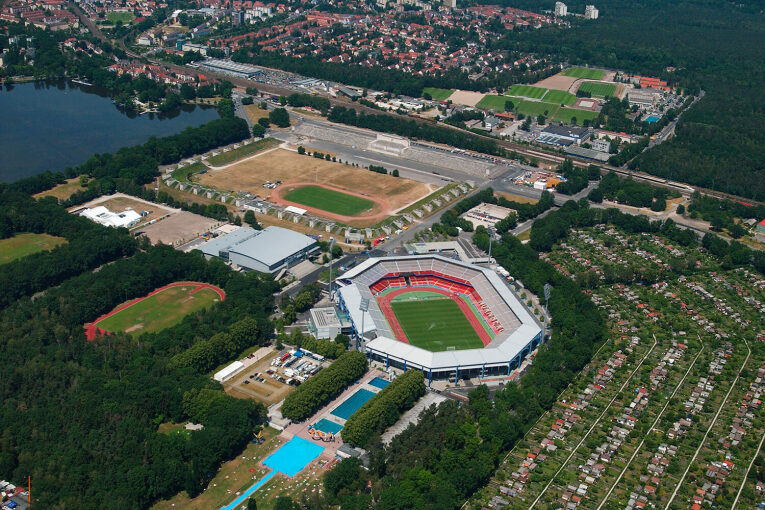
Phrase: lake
(49, 126)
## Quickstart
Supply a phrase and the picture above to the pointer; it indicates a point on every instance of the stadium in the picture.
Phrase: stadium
(447, 318)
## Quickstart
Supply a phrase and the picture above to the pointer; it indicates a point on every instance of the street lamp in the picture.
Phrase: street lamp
(331, 246)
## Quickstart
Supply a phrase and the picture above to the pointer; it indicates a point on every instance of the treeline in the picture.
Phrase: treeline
(139, 164)
(721, 214)
(576, 178)
(384, 409)
(410, 129)
(733, 254)
(629, 151)
(324, 386)
(316, 102)
(324, 347)
(630, 192)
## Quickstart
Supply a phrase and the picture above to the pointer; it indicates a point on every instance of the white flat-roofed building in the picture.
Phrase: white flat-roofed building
(325, 323)
(228, 372)
(105, 217)
(487, 214)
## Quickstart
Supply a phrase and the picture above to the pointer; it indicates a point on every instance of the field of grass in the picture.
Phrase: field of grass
(183, 174)
(62, 191)
(435, 325)
(124, 17)
(329, 200)
(160, 311)
(598, 89)
(490, 102)
(560, 97)
(566, 114)
(582, 72)
(535, 108)
(438, 94)
(526, 91)
(21, 245)
(245, 150)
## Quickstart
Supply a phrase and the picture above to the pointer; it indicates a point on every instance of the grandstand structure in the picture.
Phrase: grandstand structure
(508, 331)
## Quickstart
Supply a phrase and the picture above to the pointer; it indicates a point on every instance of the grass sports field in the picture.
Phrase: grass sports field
(582, 72)
(436, 325)
(183, 174)
(329, 200)
(161, 310)
(496, 103)
(21, 245)
(598, 89)
(567, 114)
(438, 94)
(124, 17)
(535, 108)
(560, 97)
(243, 151)
(526, 91)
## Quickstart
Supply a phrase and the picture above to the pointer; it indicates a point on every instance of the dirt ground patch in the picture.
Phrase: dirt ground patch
(179, 228)
(517, 198)
(268, 392)
(558, 82)
(291, 168)
(255, 112)
(466, 97)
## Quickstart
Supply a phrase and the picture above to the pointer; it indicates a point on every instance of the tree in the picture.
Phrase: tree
(258, 131)
(263, 121)
(541, 119)
(249, 218)
(238, 221)
(280, 117)
(394, 173)
(252, 504)
(226, 108)
(681, 209)
(282, 100)
(509, 106)
(301, 150)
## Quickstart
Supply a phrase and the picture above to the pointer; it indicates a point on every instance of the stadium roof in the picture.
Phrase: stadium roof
(272, 245)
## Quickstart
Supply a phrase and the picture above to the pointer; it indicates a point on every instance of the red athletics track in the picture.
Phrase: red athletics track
(398, 331)
(91, 330)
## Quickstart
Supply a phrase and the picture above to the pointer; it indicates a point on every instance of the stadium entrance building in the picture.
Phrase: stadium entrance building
(447, 318)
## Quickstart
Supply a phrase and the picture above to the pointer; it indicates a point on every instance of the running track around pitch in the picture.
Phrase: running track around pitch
(91, 329)
(398, 331)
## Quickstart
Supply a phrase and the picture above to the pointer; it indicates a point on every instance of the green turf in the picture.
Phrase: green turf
(496, 103)
(124, 17)
(436, 325)
(566, 114)
(598, 89)
(21, 245)
(560, 97)
(184, 174)
(244, 150)
(438, 94)
(160, 311)
(329, 200)
(526, 91)
(581, 72)
(535, 108)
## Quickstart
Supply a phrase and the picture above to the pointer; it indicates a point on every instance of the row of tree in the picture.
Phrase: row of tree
(384, 409)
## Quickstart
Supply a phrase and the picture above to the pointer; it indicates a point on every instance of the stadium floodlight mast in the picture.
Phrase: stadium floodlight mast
(364, 307)
(331, 246)
(547, 302)
(491, 236)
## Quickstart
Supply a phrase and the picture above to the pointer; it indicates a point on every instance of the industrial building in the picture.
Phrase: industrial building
(487, 215)
(561, 9)
(561, 135)
(105, 217)
(328, 322)
(231, 68)
(266, 251)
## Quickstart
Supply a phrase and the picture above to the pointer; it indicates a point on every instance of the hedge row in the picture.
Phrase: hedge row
(324, 386)
(323, 347)
(382, 410)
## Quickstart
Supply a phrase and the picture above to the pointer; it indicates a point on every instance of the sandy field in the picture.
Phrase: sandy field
(267, 393)
(290, 168)
(179, 228)
(466, 97)
(558, 82)
(516, 198)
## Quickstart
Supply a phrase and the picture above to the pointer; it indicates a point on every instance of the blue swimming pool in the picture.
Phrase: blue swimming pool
(379, 382)
(651, 119)
(327, 426)
(292, 457)
(352, 404)
(246, 494)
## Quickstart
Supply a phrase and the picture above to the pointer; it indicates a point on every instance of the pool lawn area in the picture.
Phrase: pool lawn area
(352, 404)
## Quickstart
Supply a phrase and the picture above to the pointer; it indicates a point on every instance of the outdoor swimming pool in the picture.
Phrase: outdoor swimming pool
(292, 457)
(651, 119)
(327, 426)
(379, 382)
(352, 404)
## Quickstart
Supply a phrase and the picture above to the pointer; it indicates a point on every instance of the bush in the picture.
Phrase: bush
(280, 117)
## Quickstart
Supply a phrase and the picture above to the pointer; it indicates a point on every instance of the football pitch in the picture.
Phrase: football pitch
(21, 245)
(568, 114)
(535, 108)
(526, 91)
(438, 94)
(436, 325)
(159, 311)
(598, 89)
(582, 72)
(560, 97)
(329, 200)
(496, 103)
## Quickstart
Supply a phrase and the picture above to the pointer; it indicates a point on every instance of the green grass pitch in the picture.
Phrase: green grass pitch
(438, 94)
(526, 91)
(598, 89)
(436, 325)
(329, 200)
(21, 245)
(160, 311)
(535, 108)
(123, 16)
(560, 97)
(582, 72)
(566, 114)
(496, 103)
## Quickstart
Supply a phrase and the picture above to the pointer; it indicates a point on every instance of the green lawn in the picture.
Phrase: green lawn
(582, 72)
(184, 174)
(160, 311)
(21, 245)
(535, 108)
(566, 114)
(436, 324)
(526, 91)
(438, 94)
(598, 89)
(329, 200)
(560, 97)
(124, 17)
(245, 150)
(496, 103)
